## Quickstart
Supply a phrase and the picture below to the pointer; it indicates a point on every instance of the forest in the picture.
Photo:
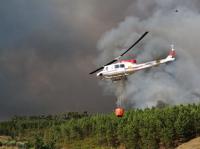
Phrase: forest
(150, 128)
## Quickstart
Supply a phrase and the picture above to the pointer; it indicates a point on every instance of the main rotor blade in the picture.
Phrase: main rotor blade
(111, 62)
(96, 70)
(135, 43)
(116, 59)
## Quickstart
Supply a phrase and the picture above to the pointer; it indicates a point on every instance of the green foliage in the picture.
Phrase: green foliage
(148, 128)
(41, 144)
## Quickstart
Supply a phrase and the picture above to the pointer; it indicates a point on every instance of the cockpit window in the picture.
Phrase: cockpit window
(116, 66)
(122, 66)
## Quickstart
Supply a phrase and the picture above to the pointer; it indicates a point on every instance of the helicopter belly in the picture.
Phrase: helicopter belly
(119, 75)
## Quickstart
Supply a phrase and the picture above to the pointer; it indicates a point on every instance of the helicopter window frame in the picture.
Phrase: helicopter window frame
(122, 66)
(117, 66)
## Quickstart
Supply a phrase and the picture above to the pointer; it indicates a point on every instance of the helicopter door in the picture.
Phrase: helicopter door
(122, 68)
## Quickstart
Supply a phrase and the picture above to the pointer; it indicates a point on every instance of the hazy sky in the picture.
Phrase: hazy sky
(48, 47)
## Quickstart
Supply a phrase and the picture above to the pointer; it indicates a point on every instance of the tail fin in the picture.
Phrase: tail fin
(172, 53)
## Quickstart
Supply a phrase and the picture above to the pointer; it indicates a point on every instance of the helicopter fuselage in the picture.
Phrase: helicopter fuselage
(122, 69)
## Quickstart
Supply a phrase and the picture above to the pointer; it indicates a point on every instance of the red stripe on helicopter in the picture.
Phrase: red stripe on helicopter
(130, 61)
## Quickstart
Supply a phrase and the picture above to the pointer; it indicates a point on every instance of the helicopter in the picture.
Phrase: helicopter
(117, 69)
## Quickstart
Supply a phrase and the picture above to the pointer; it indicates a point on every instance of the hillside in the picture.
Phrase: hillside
(6, 139)
(192, 144)
(149, 128)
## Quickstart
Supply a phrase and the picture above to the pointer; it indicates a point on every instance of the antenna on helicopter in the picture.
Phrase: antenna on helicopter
(172, 47)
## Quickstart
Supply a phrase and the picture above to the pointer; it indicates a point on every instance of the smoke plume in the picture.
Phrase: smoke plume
(168, 22)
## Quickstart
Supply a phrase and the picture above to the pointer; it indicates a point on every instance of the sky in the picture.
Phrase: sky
(48, 47)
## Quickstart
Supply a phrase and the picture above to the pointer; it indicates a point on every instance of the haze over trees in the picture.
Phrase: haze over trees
(148, 128)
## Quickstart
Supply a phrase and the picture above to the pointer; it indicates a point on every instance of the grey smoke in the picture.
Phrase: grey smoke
(173, 83)
(48, 47)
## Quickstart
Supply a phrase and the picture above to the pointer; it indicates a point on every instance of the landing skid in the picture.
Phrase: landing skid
(115, 79)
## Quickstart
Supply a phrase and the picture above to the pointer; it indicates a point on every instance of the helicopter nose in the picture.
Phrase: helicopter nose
(100, 75)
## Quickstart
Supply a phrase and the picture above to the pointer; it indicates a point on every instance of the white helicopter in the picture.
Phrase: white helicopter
(118, 70)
